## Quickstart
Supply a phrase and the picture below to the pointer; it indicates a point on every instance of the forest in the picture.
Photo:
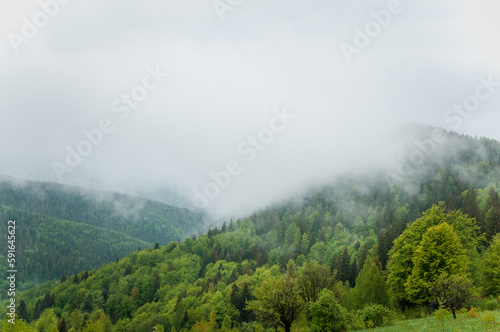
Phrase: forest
(361, 252)
(64, 229)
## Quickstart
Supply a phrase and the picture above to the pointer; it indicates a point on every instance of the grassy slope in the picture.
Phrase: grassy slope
(463, 323)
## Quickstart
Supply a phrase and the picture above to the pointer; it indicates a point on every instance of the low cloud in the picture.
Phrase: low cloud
(226, 78)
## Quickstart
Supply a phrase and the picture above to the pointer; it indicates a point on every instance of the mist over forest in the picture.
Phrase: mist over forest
(228, 165)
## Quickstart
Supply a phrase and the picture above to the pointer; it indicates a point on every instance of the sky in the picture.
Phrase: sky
(236, 104)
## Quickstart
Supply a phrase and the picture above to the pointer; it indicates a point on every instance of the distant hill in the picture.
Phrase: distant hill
(65, 229)
(137, 217)
(47, 247)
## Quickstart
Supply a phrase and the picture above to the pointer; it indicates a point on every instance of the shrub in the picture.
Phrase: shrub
(490, 303)
(377, 315)
(355, 321)
(327, 314)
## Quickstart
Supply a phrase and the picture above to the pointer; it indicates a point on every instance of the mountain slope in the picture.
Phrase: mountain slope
(140, 218)
(207, 282)
(47, 247)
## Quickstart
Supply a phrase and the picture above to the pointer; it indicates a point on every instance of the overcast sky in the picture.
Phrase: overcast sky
(232, 65)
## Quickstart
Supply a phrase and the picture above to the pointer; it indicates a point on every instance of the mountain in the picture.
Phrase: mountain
(65, 229)
(319, 259)
(48, 248)
(140, 218)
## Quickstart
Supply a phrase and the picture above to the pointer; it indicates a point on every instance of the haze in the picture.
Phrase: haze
(226, 81)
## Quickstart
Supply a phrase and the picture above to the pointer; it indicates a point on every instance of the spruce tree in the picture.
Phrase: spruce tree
(22, 311)
(492, 218)
(38, 310)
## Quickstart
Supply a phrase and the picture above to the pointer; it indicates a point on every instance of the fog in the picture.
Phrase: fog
(271, 99)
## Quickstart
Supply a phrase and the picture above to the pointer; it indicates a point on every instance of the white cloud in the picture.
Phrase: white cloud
(226, 79)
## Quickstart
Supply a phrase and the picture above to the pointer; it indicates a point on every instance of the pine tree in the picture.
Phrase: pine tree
(245, 297)
(87, 306)
(62, 326)
(470, 204)
(353, 272)
(38, 310)
(344, 266)
(46, 302)
(154, 289)
(383, 248)
(492, 218)
(362, 257)
(234, 297)
(22, 311)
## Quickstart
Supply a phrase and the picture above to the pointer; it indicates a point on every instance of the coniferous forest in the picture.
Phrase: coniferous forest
(361, 252)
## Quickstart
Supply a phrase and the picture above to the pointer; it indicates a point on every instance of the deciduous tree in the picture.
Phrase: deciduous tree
(278, 301)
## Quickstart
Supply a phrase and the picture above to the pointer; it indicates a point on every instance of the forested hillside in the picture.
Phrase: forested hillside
(48, 248)
(358, 253)
(64, 229)
(146, 220)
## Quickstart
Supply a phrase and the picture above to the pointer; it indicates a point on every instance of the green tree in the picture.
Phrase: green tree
(362, 257)
(20, 326)
(226, 324)
(22, 311)
(62, 326)
(47, 322)
(278, 301)
(452, 292)
(311, 280)
(470, 204)
(38, 310)
(492, 218)
(327, 315)
(440, 252)
(77, 320)
(401, 263)
(370, 286)
(87, 305)
(491, 268)
(345, 266)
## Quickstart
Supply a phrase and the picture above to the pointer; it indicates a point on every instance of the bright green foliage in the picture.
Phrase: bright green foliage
(440, 252)
(47, 322)
(441, 314)
(401, 256)
(491, 268)
(376, 315)
(278, 301)
(19, 326)
(226, 324)
(76, 320)
(312, 279)
(327, 315)
(159, 328)
(94, 327)
(370, 286)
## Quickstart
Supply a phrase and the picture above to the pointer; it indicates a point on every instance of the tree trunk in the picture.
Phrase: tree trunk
(453, 312)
